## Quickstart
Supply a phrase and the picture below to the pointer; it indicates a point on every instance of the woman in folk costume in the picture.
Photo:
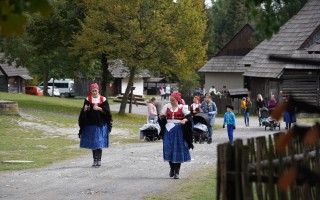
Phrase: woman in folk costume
(95, 123)
(195, 106)
(176, 131)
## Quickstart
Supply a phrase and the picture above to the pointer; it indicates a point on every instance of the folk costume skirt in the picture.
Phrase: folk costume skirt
(289, 118)
(175, 148)
(94, 137)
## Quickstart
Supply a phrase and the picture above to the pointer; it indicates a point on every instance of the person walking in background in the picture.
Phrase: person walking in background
(229, 119)
(213, 92)
(260, 103)
(243, 106)
(162, 93)
(289, 116)
(210, 108)
(95, 123)
(176, 131)
(168, 91)
(152, 111)
(247, 111)
(272, 103)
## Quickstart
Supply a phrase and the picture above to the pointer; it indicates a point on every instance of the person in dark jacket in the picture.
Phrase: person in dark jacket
(95, 123)
(289, 116)
(176, 130)
(260, 103)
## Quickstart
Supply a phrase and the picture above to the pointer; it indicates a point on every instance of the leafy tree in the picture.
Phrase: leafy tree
(144, 34)
(186, 51)
(226, 18)
(270, 15)
(43, 48)
(13, 14)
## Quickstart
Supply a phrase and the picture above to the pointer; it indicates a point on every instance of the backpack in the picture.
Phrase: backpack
(243, 104)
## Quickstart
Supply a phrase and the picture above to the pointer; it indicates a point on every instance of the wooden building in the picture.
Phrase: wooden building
(13, 79)
(120, 74)
(223, 70)
(298, 38)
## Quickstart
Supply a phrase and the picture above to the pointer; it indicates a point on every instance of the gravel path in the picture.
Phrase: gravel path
(129, 171)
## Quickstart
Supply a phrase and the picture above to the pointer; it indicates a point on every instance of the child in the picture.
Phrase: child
(230, 121)
(243, 106)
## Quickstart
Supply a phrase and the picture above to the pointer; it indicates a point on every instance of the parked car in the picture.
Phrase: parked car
(65, 86)
(56, 91)
(33, 90)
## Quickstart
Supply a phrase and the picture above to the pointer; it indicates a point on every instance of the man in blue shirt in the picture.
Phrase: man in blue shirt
(210, 108)
(230, 121)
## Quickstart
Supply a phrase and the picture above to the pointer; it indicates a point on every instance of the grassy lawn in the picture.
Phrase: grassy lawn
(20, 143)
(201, 185)
(27, 137)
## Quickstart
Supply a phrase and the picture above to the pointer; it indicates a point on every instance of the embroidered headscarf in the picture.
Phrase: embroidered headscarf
(94, 85)
(177, 96)
(198, 98)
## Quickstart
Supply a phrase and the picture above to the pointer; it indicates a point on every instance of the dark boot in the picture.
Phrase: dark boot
(176, 170)
(99, 157)
(95, 158)
(171, 173)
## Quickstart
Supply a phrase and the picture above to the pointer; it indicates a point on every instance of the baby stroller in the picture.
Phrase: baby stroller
(200, 129)
(264, 114)
(150, 132)
(267, 120)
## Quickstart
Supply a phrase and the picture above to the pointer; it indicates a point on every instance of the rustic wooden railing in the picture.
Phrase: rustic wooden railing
(251, 169)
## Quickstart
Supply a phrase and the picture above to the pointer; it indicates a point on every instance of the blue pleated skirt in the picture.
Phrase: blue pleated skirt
(95, 137)
(175, 148)
(288, 118)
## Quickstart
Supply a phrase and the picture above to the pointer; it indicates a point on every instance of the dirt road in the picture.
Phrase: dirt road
(129, 171)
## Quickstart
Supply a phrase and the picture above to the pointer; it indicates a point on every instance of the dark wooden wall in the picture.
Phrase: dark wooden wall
(240, 45)
(81, 87)
(304, 85)
(3, 84)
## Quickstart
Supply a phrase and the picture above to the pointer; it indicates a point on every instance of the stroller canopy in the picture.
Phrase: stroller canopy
(201, 118)
(264, 112)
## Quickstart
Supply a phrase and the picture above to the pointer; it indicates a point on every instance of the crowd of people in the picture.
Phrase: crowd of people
(175, 119)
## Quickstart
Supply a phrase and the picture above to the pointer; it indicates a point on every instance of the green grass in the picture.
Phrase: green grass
(18, 142)
(201, 185)
(50, 107)
(308, 120)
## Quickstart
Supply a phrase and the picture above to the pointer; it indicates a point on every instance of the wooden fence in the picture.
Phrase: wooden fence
(250, 170)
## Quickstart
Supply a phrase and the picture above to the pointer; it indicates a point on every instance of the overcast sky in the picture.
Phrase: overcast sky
(208, 3)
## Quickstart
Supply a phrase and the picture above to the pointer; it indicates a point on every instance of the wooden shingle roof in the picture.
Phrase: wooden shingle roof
(11, 71)
(223, 64)
(315, 48)
(227, 59)
(292, 37)
(119, 70)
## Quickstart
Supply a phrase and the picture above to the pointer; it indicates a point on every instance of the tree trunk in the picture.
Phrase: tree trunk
(106, 75)
(126, 94)
(45, 81)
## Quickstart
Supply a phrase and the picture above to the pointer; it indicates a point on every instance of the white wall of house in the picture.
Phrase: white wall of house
(138, 83)
(221, 79)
